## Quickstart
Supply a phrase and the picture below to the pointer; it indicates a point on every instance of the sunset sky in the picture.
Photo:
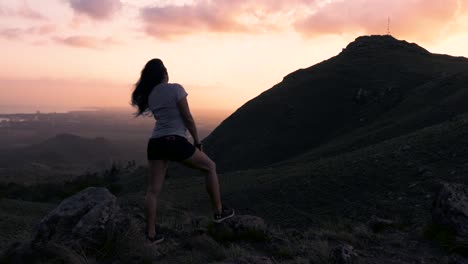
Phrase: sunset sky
(84, 53)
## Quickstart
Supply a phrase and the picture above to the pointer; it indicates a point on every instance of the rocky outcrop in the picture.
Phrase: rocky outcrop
(450, 208)
(81, 223)
(83, 219)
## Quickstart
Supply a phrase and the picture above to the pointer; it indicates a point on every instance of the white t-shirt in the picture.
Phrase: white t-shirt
(162, 101)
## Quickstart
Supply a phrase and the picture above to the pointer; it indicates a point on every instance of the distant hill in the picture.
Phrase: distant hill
(377, 88)
(62, 150)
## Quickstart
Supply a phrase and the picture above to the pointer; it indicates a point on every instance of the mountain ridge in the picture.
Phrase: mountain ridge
(329, 100)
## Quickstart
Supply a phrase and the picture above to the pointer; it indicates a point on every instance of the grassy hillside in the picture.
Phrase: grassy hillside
(328, 198)
(396, 178)
(19, 218)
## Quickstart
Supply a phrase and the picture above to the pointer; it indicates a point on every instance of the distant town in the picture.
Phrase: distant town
(22, 129)
(74, 121)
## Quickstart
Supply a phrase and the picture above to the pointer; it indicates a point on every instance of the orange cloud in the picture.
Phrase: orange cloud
(99, 10)
(463, 5)
(416, 19)
(420, 19)
(46, 29)
(87, 42)
(221, 16)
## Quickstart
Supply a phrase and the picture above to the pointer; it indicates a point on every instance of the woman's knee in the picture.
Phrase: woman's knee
(211, 165)
(208, 166)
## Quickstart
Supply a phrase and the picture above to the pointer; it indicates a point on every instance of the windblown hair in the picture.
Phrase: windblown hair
(152, 74)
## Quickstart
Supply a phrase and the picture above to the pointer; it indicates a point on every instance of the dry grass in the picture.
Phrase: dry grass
(236, 251)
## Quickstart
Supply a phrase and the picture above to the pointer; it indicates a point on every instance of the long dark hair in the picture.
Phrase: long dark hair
(152, 74)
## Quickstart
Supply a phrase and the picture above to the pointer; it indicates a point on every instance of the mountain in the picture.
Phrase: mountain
(377, 88)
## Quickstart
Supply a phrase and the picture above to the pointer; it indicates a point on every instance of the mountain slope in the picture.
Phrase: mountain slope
(375, 89)
(394, 179)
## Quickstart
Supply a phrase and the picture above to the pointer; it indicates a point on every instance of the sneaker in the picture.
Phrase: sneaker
(155, 240)
(225, 214)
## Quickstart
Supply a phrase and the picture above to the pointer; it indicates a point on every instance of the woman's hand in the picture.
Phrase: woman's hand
(199, 146)
(188, 119)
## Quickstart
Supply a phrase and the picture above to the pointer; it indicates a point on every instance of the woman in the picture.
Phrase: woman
(167, 102)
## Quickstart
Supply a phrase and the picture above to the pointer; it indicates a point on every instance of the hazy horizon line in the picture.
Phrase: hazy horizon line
(6, 109)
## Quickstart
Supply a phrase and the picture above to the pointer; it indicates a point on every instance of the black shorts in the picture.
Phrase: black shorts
(173, 147)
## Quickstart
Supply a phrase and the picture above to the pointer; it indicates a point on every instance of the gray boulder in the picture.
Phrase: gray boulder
(450, 208)
(84, 219)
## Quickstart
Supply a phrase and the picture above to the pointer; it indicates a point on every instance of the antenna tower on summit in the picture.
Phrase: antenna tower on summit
(388, 26)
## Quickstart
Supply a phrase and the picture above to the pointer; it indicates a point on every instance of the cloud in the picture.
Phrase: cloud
(46, 29)
(23, 10)
(420, 19)
(182, 20)
(96, 9)
(415, 19)
(11, 33)
(20, 33)
(26, 11)
(463, 5)
(220, 16)
(87, 42)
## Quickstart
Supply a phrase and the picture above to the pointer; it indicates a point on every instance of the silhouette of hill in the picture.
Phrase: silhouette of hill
(377, 88)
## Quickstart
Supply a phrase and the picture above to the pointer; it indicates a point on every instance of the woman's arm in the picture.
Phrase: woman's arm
(188, 119)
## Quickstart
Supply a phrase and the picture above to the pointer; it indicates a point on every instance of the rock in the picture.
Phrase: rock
(205, 245)
(200, 243)
(83, 219)
(406, 147)
(423, 169)
(247, 260)
(343, 254)
(455, 259)
(240, 227)
(450, 208)
(378, 224)
(428, 174)
(200, 224)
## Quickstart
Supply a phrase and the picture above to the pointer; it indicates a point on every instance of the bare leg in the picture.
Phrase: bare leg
(156, 178)
(201, 161)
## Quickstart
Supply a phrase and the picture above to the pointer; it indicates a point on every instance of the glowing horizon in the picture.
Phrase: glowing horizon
(84, 53)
